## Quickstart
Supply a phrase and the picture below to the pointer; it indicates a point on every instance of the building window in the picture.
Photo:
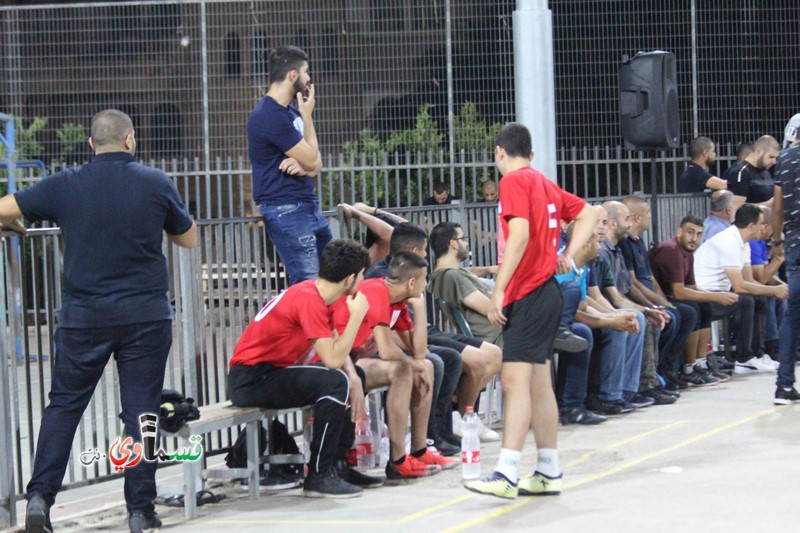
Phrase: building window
(259, 56)
(165, 124)
(233, 56)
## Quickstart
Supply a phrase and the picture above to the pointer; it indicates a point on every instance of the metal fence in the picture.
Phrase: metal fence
(216, 289)
(189, 71)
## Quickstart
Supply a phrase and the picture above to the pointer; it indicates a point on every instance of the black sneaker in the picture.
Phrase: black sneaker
(274, 481)
(566, 341)
(354, 477)
(659, 398)
(637, 400)
(329, 485)
(699, 377)
(446, 449)
(674, 382)
(675, 394)
(786, 397)
(37, 515)
(720, 365)
(596, 405)
(580, 415)
(450, 438)
(140, 521)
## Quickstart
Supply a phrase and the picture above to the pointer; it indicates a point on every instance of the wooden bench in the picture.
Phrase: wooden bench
(219, 416)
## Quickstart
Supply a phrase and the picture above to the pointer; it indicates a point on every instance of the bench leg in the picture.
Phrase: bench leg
(253, 459)
(191, 471)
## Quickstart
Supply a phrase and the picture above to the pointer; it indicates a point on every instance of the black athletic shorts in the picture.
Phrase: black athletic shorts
(455, 341)
(532, 324)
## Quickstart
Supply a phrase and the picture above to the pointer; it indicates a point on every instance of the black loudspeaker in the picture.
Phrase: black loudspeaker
(648, 101)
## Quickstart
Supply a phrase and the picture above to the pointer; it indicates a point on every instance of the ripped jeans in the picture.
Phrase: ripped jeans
(299, 232)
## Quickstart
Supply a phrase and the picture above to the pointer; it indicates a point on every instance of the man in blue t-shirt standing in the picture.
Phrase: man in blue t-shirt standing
(112, 213)
(284, 153)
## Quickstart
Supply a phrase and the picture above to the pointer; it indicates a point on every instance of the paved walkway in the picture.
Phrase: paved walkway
(721, 459)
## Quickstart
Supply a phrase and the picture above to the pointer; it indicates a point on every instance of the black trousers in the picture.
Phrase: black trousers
(327, 390)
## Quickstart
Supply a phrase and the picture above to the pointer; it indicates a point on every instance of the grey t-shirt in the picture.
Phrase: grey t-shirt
(453, 285)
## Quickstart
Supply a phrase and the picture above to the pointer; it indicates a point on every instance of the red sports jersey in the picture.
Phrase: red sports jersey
(381, 312)
(281, 334)
(527, 194)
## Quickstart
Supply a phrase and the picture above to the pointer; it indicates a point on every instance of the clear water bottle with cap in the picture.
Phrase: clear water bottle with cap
(365, 455)
(308, 436)
(470, 446)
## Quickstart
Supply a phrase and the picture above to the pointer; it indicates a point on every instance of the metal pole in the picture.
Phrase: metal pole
(206, 126)
(8, 504)
(654, 239)
(450, 105)
(186, 322)
(695, 101)
(534, 83)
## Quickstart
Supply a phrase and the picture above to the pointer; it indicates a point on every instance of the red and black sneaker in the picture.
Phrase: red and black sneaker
(410, 468)
(434, 457)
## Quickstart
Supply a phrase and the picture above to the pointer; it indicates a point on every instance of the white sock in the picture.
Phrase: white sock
(688, 369)
(508, 464)
(548, 462)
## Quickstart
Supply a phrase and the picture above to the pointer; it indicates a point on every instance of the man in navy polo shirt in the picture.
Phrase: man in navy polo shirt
(112, 213)
(284, 153)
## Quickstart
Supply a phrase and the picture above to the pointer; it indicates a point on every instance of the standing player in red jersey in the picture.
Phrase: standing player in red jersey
(270, 364)
(527, 302)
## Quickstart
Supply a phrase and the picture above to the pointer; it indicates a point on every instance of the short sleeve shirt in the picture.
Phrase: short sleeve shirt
(453, 285)
(612, 268)
(755, 184)
(527, 193)
(713, 225)
(112, 213)
(578, 275)
(381, 312)
(724, 250)
(759, 253)
(273, 130)
(283, 332)
(672, 264)
(635, 254)
(694, 179)
(787, 176)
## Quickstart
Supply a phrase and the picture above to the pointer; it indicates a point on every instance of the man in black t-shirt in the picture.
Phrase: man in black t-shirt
(113, 213)
(697, 177)
(750, 180)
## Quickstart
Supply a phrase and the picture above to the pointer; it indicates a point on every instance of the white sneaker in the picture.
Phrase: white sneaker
(486, 434)
(457, 423)
(768, 361)
(757, 364)
(746, 368)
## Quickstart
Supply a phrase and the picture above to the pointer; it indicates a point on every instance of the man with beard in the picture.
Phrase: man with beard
(697, 177)
(284, 153)
(672, 263)
(750, 181)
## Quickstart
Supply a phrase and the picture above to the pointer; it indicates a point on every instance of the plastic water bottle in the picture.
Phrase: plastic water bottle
(384, 447)
(308, 436)
(470, 446)
(365, 456)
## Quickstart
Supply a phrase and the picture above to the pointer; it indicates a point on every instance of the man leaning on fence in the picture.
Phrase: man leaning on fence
(112, 213)
(284, 153)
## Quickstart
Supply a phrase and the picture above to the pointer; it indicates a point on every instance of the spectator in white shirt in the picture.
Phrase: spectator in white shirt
(722, 264)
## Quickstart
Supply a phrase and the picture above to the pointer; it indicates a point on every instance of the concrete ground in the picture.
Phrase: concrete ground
(722, 459)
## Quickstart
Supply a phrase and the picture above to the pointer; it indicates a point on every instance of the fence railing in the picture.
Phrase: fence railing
(405, 179)
(216, 289)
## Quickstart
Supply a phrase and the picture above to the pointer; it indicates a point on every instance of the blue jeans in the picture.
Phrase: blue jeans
(673, 339)
(572, 300)
(620, 360)
(773, 317)
(573, 371)
(790, 327)
(141, 352)
(299, 233)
